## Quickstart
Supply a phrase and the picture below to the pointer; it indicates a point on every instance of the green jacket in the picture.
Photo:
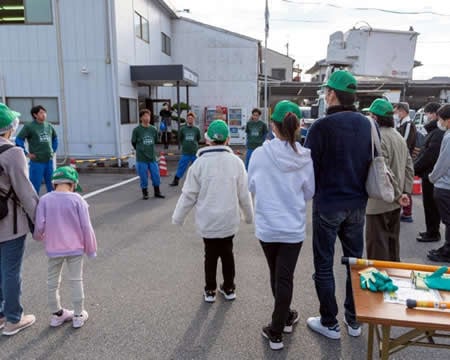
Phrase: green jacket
(188, 137)
(143, 140)
(256, 133)
(41, 138)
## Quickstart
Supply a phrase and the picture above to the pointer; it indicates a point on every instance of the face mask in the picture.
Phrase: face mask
(426, 120)
(441, 126)
(396, 118)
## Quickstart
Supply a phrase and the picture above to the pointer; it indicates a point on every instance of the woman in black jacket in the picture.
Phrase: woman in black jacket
(423, 165)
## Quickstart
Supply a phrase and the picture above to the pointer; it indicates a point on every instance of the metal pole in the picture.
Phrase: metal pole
(178, 109)
(266, 14)
(187, 95)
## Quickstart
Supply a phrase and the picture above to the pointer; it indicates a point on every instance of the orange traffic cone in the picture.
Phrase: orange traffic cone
(417, 186)
(163, 166)
(73, 163)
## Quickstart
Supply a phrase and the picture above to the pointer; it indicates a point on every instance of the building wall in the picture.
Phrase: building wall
(134, 51)
(276, 60)
(227, 65)
(30, 69)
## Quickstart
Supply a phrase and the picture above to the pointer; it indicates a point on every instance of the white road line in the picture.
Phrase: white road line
(99, 191)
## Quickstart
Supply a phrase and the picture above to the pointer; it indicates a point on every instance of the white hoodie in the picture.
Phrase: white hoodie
(282, 181)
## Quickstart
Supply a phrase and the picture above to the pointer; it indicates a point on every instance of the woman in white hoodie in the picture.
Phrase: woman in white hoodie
(281, 177)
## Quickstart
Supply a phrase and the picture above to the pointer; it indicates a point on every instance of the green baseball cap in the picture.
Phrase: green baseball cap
(282, 108)
(342, 80)
(381, 107)
(218, 131)
(7, 116)
(65, 174)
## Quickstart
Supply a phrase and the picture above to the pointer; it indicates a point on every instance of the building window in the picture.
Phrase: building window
(141, 27)
(24, 105)
(165, 44)
(279, 74)
(25, 12)
(128, 111)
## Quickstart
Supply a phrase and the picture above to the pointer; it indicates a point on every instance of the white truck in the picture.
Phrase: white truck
(371, 54)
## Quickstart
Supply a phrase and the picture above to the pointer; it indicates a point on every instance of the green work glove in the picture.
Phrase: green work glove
(384, 282)
(438, 280)
(367, 281)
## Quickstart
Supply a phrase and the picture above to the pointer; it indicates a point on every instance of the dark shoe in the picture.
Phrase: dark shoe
(291, 321)
(439, 256)
(407, 219)
(145, 194)
(442, 249)
(209, 296)
(174, 182)
(275, 340)
(228, 294)
(158, 193)
(427, 238)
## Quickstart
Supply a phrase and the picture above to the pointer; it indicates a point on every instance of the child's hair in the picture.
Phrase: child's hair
(288, 128)
(143, 112)
(55, 184)
(35, 109)
(190, 113)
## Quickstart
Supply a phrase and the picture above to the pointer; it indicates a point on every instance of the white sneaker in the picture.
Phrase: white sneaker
(333, 332)
(56, 320)
(210, 296)
(228, 295)
(78, 321)
(354, 330)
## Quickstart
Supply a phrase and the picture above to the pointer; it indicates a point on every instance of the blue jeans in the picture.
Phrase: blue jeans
(349, 226)
(11, 255)
(39, 170)
(183, 164)
(143, 168)
(248, 154)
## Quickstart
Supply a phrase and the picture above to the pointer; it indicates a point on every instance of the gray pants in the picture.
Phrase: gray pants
(75, 277)
(382, 236)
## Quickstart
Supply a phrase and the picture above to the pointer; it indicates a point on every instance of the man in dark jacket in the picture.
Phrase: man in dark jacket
(423, 166)
(341, 150)
(407, 129)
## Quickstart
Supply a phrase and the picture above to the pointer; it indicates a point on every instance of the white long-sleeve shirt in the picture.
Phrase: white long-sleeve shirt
(440, 176)
(216, 185)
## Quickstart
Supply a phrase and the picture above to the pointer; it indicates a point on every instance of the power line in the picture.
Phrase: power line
(398, 12)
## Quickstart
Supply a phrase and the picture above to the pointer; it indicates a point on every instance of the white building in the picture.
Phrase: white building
(93, 63)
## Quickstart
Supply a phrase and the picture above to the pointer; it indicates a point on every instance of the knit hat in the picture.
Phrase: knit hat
(342, 80)
(381, 107)
(282, 108)
(217, 131)
(64, 175)
(7, 117)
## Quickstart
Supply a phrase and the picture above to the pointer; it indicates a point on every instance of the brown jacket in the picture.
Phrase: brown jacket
(14, 172)
(398, 160)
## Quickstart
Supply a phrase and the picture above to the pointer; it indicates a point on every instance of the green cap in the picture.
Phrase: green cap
(7, 116)
(381, 107)
(66, 174)
(342, 80)
(217, 131)
(282, 108)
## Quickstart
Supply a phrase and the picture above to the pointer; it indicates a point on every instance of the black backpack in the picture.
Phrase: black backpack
(5, 196)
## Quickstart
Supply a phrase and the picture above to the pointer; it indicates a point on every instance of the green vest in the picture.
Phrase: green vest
(39, 137)
(189, 136)
(143, 140)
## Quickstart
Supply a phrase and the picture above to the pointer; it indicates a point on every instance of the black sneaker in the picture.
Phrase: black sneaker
(439, 256)
(291, 321)
(426, 237)
(275, 340)
(438, 250)
(209, 296)
(228, 294)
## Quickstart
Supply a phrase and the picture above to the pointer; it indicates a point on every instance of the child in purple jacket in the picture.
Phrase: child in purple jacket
(63, 223)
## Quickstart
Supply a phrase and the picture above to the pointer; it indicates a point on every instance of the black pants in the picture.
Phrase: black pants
(215, 248)
(383, 236)
(282, 259)
(442, 197)
(165, 136)
(432, 216)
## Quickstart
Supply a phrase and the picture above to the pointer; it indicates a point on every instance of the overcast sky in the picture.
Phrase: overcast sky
(306, 25)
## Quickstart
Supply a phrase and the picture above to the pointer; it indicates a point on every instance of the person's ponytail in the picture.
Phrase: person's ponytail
(288, 129)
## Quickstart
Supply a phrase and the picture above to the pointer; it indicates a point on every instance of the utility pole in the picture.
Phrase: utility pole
(266, 29)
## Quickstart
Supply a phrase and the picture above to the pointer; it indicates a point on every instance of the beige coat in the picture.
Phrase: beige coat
(15, 172)
(397, 158)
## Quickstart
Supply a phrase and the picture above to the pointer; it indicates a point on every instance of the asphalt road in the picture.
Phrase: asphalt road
(144, 291)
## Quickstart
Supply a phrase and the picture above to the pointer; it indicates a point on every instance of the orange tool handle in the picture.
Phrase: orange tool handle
(412, 303)
(390, 264)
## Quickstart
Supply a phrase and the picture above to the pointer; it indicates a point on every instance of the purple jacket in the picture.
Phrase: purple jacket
(62, 222)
